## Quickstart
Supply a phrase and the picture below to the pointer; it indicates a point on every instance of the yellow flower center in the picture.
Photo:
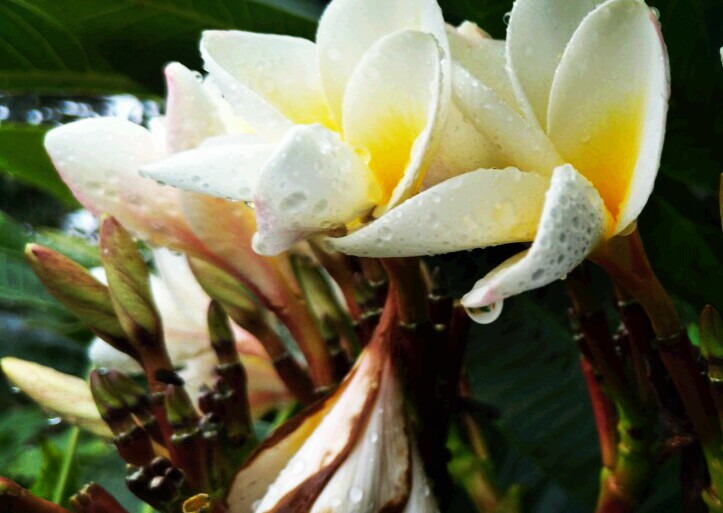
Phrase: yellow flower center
(390, 150)
(607, 154)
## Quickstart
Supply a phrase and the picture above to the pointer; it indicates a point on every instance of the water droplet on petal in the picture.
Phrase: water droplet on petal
(485, 314)
(356, 494)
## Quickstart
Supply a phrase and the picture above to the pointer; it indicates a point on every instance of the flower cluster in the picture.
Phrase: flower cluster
(291, 167)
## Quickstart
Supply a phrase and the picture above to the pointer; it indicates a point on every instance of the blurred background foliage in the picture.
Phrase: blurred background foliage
(525, 365)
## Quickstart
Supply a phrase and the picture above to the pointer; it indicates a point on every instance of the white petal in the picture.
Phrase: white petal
(462, 148)
(477, 209)
(271, 80)
(395, 107)
(538, 33)
(608, 104)
(263, 466)
(334, 434)
(61, 394)
(313, 182)
(102, 354)
(182, 305)
(228, 171)
(377, 471)
(184, 293)
(485, 59)
(573, 222)
(421, 499)
(191, 116)
(99, 160)
(348, 28)
(522, 144)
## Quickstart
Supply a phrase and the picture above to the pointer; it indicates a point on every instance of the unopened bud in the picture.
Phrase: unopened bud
(225, 289)
(73, 286)
(222, 339)
(128, 282)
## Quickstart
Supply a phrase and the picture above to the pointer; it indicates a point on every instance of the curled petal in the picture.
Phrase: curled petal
(522, 145)
(64, 395)
(395, 107)
(99, 160)
(377, 472)
(306, 451)
(191, 114)
(573, 222)
(482, 208)
(313, 182)
(537, 35)
(349, 28)
(608, 104)
(228, 171)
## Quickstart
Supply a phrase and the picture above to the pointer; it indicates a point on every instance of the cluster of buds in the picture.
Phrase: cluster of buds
(192, 449)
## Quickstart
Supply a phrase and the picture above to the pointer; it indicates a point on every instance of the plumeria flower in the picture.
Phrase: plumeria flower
(351, 452)
(567, 122)
(351, 126)
(182, 305)
(581, 118)
(99, 160)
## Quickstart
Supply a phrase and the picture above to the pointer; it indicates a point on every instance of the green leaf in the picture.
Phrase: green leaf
(121, 45)
(23, 157)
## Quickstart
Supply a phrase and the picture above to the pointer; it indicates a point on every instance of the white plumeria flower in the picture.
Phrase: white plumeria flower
(99, 159)
(581, 117)
(352, 123)
(350, 453)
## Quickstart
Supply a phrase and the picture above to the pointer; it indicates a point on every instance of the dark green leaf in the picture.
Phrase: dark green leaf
(23, 156)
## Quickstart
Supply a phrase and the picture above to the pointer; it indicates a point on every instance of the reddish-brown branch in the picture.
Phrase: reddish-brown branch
(604, 412)
(16, 499)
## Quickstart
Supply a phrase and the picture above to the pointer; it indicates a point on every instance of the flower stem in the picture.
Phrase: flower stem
(68, 457)
(625, 260)
(627, 467)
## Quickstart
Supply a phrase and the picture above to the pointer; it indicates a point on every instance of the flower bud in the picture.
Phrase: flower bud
(65, 396)
(128, 281)
(80, 292)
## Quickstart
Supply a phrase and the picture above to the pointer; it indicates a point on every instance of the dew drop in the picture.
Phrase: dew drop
(506, 18)
(54, 421)
(485, 314)
(356, 494)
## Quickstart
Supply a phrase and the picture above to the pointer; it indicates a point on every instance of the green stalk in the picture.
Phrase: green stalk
(68, 458)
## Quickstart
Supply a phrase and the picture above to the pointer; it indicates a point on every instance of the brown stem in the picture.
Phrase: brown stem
(93, 498)
(625, 260)
(16, 499)
(291, 373)
(604, 412)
